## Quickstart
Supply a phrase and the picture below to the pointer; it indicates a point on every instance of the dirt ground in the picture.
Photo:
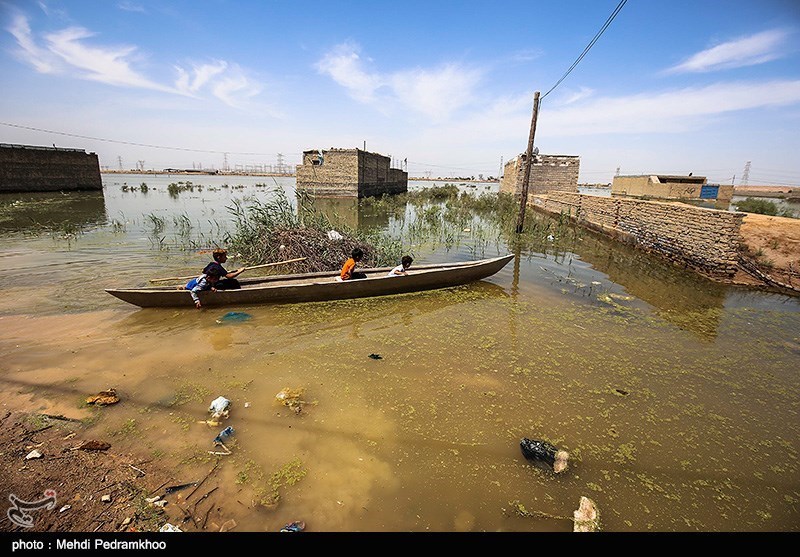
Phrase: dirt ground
(96, 488)
(772, 246)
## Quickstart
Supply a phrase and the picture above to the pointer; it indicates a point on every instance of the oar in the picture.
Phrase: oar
(245, 269)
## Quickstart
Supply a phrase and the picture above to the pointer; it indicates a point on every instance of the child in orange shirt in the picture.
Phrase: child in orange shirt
(348, 272)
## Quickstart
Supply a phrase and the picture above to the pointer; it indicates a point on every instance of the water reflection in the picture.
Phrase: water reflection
(351, 212)
(681, 297)
(669, 431)
(68, 211)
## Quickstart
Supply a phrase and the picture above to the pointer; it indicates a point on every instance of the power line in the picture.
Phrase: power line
(135, 144)
(589, 46)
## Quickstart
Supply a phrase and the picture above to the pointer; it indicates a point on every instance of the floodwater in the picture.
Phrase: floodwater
(677, 398)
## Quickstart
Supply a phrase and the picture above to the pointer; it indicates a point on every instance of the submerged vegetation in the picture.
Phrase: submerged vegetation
(273, 230)
(278, 230)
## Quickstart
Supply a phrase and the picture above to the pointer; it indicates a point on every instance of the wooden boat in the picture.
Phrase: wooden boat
(318, 287)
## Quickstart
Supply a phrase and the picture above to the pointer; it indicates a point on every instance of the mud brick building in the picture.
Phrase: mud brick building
(28, 168)
(349, 173)
(548, 173)
(663, 186)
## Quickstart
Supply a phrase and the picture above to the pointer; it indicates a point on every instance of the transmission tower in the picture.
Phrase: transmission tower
(500, 174)
(279, 164)
(119, 160)
(745, 174)
(225, 167)
(617, 172)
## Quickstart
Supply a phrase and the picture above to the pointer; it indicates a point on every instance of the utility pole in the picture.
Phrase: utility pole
(523, 201)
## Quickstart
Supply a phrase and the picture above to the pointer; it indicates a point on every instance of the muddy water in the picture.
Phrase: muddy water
(676, 398)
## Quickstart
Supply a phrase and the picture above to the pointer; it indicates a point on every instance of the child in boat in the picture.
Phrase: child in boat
(207, 281)
(401, 269)
(227, 280)
(348, 272)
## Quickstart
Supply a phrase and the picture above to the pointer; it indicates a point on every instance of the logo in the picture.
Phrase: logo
(19, 513)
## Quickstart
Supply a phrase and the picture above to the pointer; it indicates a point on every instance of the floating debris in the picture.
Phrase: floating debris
(234, 317)
(621, 392)
(220, 409)
(169, 528)
(103, 398)
(292, 398)
(35, 453)
(546, 452)
(296, 526)
(218, 441)
(376, 356)
(174, 488)
(587, 517)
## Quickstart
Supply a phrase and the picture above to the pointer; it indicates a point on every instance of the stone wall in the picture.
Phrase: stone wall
(27, 168)
(349, 173)
(548, 173)
(706, 240)
(667, 187)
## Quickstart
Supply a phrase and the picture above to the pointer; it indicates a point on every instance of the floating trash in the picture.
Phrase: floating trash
(296, 526)
(234, 317)
(103, 398)
(533, 449)
(376, 356)
(292, 398)
(218, 441)
(224, 434)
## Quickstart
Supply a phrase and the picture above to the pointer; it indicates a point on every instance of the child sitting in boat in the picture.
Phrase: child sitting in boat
(348, 272)
(401, 269)
(207, 281)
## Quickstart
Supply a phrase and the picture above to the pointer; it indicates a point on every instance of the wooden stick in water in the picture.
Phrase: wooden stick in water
(246, 269)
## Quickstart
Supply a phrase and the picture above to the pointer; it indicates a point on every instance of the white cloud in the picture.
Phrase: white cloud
(747, 51)
(235, 90)
(128, 6)
(104, 64)
(344, 65)
(201, 75)
(41, 60)
(581, 94)
(670, 111)
(435, 93)
(68, 51)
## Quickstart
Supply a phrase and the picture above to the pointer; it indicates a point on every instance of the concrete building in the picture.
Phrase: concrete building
(349, 173)
(663, 186)
(548, 173)
(29, 168)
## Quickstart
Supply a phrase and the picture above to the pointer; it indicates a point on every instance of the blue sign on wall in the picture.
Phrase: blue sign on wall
(709, 192)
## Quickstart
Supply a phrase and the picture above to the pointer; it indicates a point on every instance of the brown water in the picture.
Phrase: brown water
(676, 398)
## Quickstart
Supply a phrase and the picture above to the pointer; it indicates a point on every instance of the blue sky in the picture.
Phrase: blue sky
(700, 86)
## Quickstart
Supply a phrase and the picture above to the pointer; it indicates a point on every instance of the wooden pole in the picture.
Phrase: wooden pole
(246, 269)
(528, 161)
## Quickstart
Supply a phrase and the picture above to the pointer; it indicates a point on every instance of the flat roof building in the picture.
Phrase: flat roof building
(349, 173)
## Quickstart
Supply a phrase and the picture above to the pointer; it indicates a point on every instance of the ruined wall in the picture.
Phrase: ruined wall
(548, 173)
(26, 168)
(349, 173)
(706, 240)
(650, 186)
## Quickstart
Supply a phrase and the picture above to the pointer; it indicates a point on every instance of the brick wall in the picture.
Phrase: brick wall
(706, 240)
(548, 173)
(25, 168)
(349, 173)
